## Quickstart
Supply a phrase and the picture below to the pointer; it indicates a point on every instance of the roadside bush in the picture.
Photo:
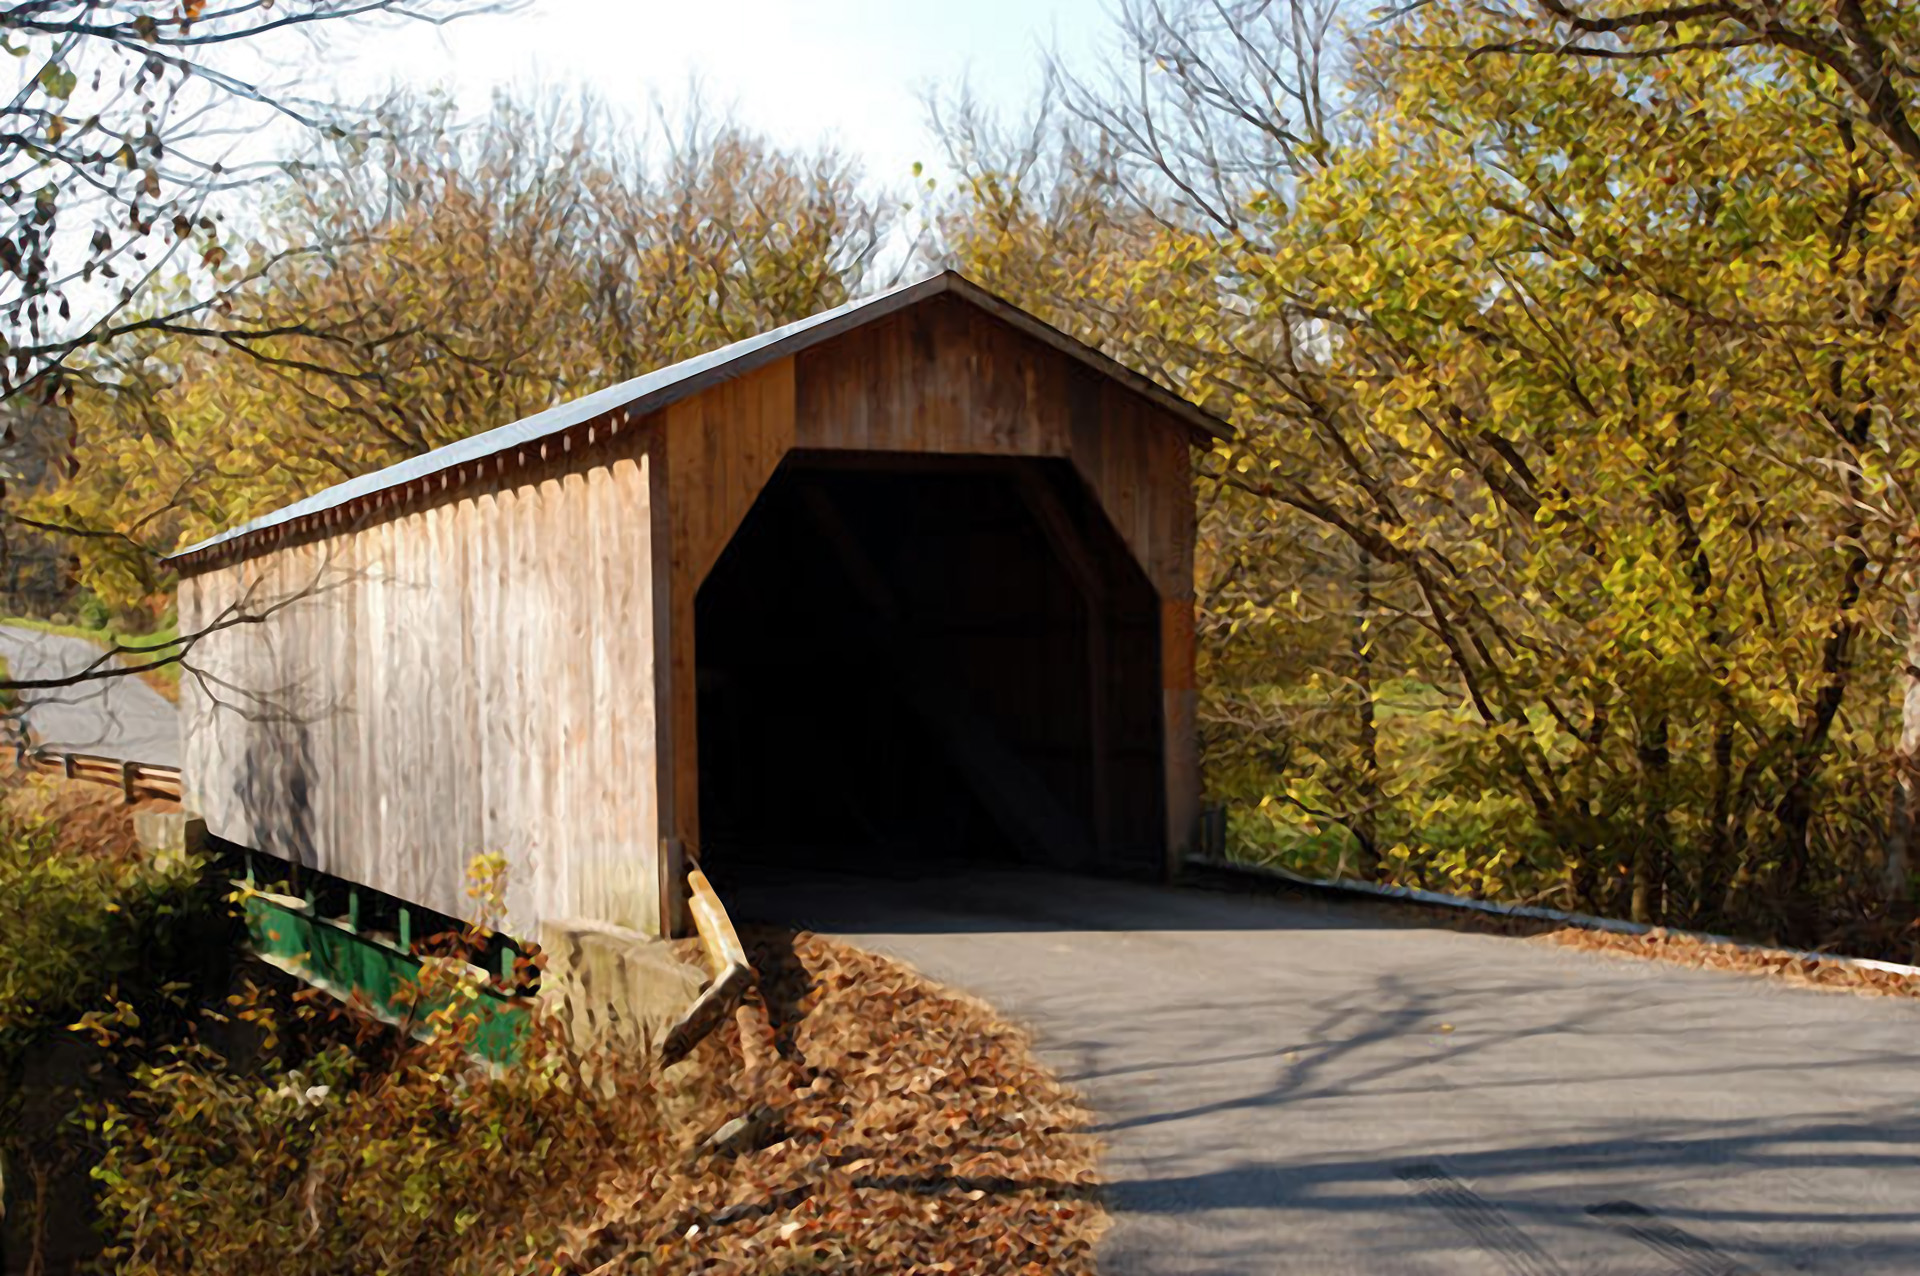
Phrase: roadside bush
(84, 916)
(372, 1154)
(78, 917)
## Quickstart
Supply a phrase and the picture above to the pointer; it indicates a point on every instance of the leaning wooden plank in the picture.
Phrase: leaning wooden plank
(710, 919)
(732, 976)
(706, 1013)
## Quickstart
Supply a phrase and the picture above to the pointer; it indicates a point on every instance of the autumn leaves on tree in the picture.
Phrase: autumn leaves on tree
(1566, 549)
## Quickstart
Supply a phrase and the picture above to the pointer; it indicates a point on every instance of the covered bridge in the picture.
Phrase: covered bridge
(911, 577)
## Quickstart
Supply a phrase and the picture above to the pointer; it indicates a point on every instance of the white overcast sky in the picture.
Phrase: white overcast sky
(803, 71)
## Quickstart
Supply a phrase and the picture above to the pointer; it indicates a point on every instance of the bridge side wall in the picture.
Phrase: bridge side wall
(469, 678)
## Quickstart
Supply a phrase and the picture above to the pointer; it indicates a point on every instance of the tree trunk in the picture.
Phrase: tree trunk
(1897, 871)
(1648, 904)
(1717, 867)
(1363, 824)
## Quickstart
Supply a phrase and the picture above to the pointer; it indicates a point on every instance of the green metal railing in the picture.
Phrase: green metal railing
(381, 975)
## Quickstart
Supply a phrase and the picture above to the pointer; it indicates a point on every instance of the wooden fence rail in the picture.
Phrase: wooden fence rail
(135, 780)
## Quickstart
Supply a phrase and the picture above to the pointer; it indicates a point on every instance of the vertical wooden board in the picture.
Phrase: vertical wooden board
(996, 368)
(567, 647)
(589, 849)
(336, 679)
(1172, 476)
(1044, 390)
(448, 612)
(400, 742)
(685, 710)
(1179, 726)
(597, 857)
(498, 727)
(369, 667)
(480, 513)
(397, 763)
(686, 514)
(410, 716)
(923, 415)
(666, 761)
(541, 686)
(509, 750)
(206, 770)
(641, 827)
(458, 624)
(1124, 478)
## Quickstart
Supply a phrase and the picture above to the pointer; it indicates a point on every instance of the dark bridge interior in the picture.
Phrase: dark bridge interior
(909, 660)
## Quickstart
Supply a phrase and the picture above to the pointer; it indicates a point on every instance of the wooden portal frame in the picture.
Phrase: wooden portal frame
(942, 380)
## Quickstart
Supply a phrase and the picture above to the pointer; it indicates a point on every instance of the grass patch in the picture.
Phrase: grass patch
(156, 644)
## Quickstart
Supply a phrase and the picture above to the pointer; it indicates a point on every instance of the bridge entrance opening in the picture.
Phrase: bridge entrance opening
(908, 660)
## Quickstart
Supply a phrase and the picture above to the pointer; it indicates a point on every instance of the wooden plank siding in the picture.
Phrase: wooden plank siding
(508, 665)
(472, 677)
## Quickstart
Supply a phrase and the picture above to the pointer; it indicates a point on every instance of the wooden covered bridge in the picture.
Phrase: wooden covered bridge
(911, 577)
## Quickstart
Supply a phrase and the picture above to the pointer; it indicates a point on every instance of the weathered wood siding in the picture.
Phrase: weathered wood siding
(472, 677)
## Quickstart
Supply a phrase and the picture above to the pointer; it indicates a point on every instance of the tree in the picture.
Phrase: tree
(1597, 365)
(475, 275)
(123, 147)
(119, 128)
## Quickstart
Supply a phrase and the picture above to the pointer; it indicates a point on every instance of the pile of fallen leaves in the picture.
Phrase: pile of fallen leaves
(1812, 970)
(912, 1132)
(1805, 969)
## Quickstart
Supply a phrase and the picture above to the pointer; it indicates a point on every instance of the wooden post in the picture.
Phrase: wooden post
(129, 774)
(66, 765)
(673, 876)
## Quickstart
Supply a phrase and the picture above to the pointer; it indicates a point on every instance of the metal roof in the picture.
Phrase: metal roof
(657, 389)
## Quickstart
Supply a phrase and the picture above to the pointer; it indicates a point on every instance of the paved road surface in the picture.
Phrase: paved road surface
(1311, 1087)
(115, 717)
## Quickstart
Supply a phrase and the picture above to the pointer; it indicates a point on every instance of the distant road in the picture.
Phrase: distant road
(1287, 1086)
(115, 717)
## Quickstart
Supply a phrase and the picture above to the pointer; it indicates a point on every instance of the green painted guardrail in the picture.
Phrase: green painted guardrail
(370, 971)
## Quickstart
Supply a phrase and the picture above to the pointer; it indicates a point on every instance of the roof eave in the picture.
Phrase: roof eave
(1203, 427)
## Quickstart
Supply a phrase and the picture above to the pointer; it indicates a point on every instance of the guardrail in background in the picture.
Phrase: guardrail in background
(135, 780)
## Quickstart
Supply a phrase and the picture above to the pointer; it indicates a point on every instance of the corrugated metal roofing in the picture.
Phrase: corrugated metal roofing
(655, 390)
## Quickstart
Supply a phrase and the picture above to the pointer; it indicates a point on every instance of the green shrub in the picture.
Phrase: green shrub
(93, 613)
(75, 922)
(371, 1154)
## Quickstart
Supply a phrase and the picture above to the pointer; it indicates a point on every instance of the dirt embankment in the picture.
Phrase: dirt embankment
(923, 1137)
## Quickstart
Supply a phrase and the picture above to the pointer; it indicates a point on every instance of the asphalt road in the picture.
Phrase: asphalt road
(1308, 1087)
(113, 717)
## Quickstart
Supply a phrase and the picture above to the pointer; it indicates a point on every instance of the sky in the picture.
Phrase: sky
(852, 72)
